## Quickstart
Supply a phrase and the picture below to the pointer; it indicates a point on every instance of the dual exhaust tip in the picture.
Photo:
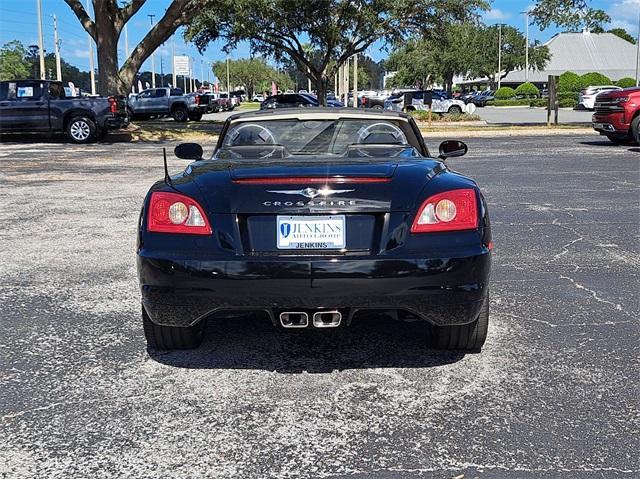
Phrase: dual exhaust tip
(320, 319)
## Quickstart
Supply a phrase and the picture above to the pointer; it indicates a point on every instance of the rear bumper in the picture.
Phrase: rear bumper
(116, 122)
(442, 291)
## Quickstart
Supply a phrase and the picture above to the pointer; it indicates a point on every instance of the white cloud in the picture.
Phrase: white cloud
(624, 14)
(496, 14)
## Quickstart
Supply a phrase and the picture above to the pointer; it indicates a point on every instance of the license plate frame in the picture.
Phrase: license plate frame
(320, 232)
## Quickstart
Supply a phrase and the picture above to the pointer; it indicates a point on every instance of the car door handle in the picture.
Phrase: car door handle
(4, 103)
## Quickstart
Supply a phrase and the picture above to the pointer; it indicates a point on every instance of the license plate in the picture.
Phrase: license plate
(311, 232)
(598, 126)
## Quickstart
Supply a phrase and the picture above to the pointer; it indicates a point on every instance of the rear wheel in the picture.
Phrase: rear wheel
(467, 337)
(180, 114)
(195, 116)
(81, 129)
(455, 110)
(171, 337)
(635, 129)
(377, 107)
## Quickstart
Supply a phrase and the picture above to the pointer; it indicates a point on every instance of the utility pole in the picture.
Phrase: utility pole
(201, 71)
(161, 71)
(499, 53)
(335, 84)
(638, 54)
(57, 48)
(346, 83)
(92, 72)
(40, 41)
(126, 40)
(173, 60)
(153, 59)
(526, 48)
(193, 80)
(355, 81)
(228, 80)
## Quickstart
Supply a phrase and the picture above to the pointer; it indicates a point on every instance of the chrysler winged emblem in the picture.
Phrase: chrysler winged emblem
(311, 192)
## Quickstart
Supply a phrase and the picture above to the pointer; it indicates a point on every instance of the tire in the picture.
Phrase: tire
(620, 140)
(81, 129)
(467, 337)
(195, 116)
(455, 110)
(180, 114)
(377, 107)
(635, 129)
(171, 337)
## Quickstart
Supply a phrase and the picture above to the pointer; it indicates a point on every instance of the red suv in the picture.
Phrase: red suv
(617, 115)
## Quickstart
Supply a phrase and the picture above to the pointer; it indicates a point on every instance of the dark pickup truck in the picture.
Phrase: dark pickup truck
(32, 106)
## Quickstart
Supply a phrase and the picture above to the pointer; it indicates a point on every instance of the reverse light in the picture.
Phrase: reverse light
(452, 210)
(176, 213)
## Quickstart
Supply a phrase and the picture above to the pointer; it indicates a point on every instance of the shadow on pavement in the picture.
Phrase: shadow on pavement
(253, 343)
(59, 138)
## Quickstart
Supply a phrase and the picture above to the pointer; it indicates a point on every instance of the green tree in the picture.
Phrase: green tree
(505, 93)
(571, 14)
(252, 73)
(335, 29)
(485, 46)
(622, 33)
(593, 79)
(106, 27)
(569, 82)
(13, 62)
(527, 90)
(626, 82)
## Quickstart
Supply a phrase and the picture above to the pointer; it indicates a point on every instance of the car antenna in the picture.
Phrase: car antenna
(167, 178)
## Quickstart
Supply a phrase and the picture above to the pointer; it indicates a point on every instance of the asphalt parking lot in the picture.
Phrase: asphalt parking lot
(553, 394)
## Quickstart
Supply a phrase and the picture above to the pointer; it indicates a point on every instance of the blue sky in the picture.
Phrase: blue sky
(18, 21)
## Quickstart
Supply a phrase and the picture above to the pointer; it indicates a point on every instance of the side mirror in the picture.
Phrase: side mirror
(452, 148)
(188, 151)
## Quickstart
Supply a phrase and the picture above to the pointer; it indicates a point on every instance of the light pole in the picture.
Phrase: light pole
(153, 59)
(526, 46)
(57, 48)
(499, 53)
(638, 54)
(91, 68)
(40, 41)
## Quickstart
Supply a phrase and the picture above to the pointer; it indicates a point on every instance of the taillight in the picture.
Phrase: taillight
(113, 104)
(295, 180)
(452, 210)
(175, 213)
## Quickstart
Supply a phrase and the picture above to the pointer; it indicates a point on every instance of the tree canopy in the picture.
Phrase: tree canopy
(105, 29)
(464, 49)
(13, 61)
(252, 73)
(335, 30)
(571, 14)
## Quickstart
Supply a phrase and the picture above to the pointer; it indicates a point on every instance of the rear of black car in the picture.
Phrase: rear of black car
(254, 244)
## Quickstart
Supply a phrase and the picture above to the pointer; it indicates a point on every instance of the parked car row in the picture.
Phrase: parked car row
(438, 101)
(158, 102)
(292, 100)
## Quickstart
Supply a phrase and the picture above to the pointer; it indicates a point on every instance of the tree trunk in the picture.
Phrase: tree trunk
(109, 82)
(322, 85)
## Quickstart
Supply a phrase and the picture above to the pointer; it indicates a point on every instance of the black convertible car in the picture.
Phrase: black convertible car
(316, 217)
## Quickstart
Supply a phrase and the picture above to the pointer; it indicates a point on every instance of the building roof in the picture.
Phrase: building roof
(582, 53)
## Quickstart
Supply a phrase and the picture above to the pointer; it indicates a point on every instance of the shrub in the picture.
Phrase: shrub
(594, 78)
(626, 82)
(505, 93)
(568, 103)
(568, 95)
(422, 115)
(528, 90)
(569, 81)
(522, 102)
(539, 102)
